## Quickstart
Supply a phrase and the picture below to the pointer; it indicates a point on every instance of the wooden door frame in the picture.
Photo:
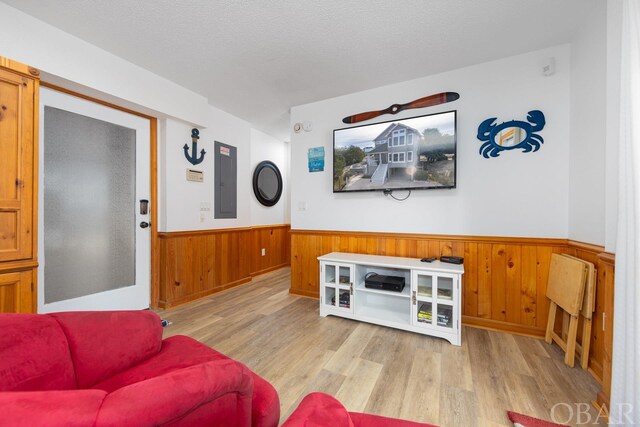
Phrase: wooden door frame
(153, 152)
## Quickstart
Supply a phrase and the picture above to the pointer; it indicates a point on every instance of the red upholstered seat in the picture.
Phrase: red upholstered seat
(113, 369)
(34, 354)
(321, 410)
(180, 352)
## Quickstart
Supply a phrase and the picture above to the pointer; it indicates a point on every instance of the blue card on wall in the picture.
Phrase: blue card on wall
(316, 159)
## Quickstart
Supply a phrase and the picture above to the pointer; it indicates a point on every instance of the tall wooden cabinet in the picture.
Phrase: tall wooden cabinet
(19, 86)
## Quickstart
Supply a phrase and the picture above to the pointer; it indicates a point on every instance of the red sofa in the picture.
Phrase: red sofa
(114, 369)
(322, 410)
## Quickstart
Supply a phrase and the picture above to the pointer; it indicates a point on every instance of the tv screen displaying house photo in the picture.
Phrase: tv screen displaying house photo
(414, 153)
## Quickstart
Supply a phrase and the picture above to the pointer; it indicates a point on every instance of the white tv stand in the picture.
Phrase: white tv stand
(429, 303)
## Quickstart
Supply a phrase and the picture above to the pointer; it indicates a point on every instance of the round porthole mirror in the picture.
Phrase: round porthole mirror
(267, 183)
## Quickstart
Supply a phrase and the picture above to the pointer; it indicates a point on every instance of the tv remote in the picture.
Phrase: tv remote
(452, 259)
(430, 259)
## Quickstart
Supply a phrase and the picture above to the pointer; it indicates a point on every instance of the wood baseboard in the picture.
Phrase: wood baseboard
(306, 294)
(269, 269)
(595, 369)
(197, 295)
(601, 406)
(496, 325)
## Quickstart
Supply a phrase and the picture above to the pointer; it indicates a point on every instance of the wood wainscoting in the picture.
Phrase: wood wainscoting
(194, 264)
(604, 329)
(504, 282)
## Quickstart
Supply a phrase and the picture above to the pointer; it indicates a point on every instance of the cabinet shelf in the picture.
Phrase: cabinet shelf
(406, 292)
(371, 314)
(429, 304)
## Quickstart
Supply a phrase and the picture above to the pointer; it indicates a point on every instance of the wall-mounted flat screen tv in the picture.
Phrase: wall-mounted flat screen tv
(414, 153)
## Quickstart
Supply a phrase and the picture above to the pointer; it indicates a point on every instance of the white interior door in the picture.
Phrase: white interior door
(94, 170)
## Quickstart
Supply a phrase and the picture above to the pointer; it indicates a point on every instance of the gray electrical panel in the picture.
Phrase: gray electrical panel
(226, 181)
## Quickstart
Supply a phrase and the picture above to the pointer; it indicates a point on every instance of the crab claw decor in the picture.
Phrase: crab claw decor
(511, 135)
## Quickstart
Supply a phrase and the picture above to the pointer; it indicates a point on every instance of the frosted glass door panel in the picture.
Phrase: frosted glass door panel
(89, 205)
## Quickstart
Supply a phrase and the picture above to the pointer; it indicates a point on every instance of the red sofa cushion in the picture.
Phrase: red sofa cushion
(320, 409)
(34, 354)
(175, 353)
(102, 344)
(175, 398)
(68, 408)
(368, 420)
(180, 352)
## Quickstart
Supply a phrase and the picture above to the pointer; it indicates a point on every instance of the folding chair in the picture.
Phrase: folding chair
(565, 289)
(588, 307)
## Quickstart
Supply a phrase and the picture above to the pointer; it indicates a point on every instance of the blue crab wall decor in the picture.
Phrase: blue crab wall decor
(511, 135)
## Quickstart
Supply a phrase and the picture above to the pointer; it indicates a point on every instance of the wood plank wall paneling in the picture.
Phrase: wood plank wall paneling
(275, 241)
(505, 278)
(195, 264)
(603, 325)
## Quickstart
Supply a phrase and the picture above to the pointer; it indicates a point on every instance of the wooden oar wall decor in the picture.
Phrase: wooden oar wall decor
(428, 101)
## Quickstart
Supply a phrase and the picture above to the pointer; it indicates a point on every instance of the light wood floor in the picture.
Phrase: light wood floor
(379, 370)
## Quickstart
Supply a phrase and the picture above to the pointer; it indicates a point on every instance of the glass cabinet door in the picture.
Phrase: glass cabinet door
(445, 288)
(422, 299)
(344, 277)
(330, 274)
(337, 286)
(445, 316)
(433, 298)
(425, 286)
(424, 313)
(444, 301)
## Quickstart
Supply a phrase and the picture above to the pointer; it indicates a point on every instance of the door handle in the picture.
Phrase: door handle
(144, 224)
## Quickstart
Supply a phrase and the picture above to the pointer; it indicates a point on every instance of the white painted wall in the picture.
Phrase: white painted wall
(73, 63)
(65, 58)
(181, 199)
(265, 147)
(614, 58)
(516, 194)
(588, 128)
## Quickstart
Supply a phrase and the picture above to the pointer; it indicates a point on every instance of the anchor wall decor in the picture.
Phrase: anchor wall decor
(193, 158)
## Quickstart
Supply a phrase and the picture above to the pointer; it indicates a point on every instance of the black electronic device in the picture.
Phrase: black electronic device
(452, 259)
(387, 283)
(430, 259)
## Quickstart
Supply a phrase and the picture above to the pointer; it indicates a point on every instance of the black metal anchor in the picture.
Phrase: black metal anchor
(193, 159)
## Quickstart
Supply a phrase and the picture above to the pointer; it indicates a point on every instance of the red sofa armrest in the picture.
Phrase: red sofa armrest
(104, 343)
(172, 396)
(66, 408)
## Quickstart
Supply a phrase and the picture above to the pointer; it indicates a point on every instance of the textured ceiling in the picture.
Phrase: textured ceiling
(257, 58)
